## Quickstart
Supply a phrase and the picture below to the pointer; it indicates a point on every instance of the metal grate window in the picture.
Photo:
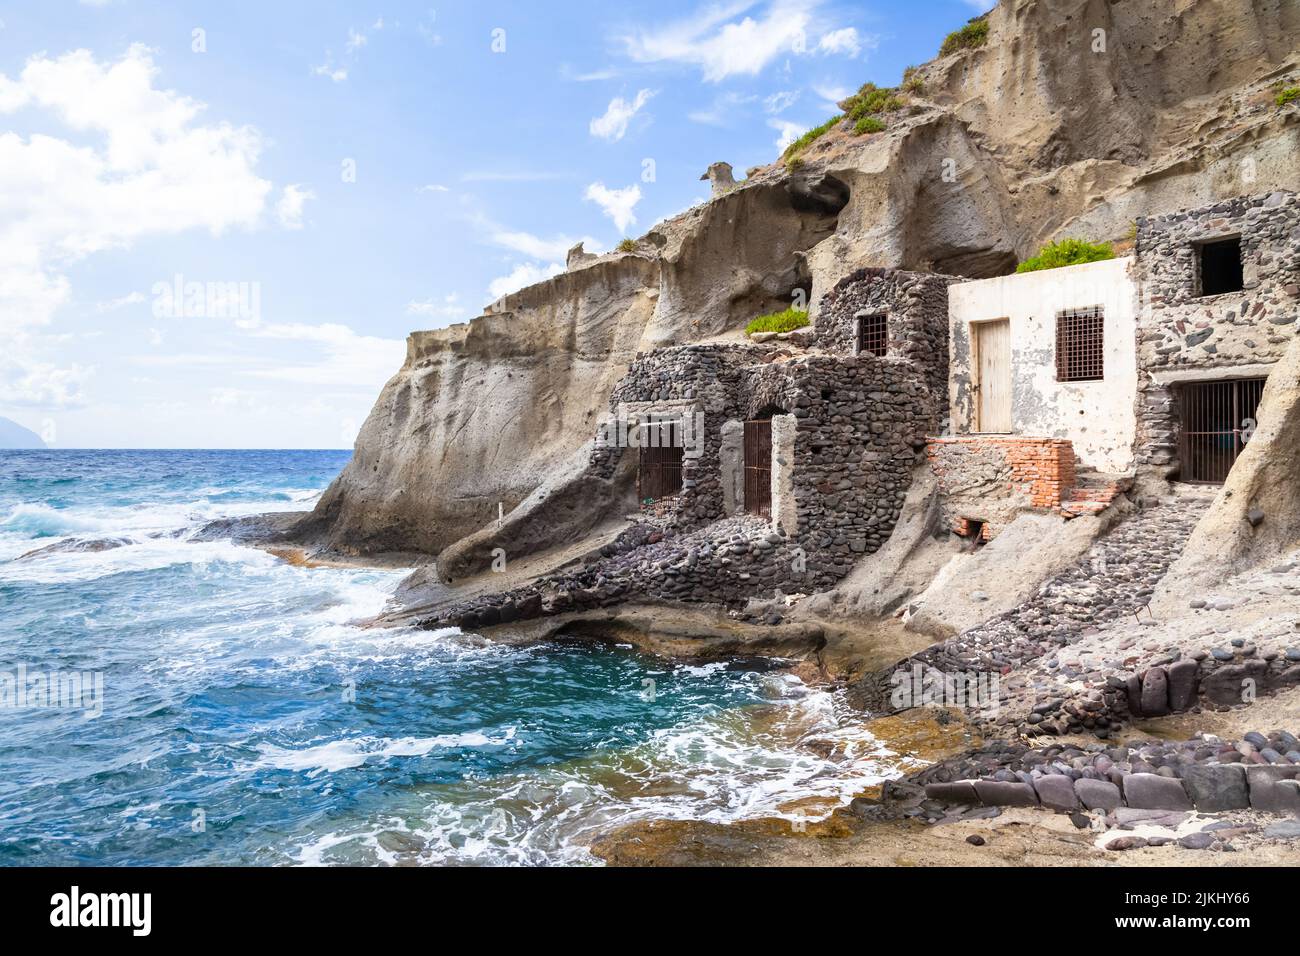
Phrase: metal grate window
(1218, 420)
(1080, 344)
(873, 335)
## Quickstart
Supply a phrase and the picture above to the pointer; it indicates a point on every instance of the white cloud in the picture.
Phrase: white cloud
(722, 45)
(28, 382)
(347, 361)
(831, 95)
(337, 74)
(112, 305)
(535, 247)
(232, 398)
(290, 207)
(521, 276)
(613, 125)
(617, 204)
(723, 110)
(355, 41)
(843, 42)
(789, 132)
(567, 73)
(780, 101)
(141, 166)
(433, 188)
(448, 308)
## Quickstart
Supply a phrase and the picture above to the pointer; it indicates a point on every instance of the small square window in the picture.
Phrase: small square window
(1221, 267)
(1080, 345)
(873, 335)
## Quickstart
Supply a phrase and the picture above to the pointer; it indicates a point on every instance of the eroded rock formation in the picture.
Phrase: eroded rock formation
(1077, 117)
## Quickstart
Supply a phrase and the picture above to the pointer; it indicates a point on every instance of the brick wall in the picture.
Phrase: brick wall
(992, 479)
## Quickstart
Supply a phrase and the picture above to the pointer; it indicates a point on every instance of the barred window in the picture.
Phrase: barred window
(873, 334)
(1080, 344)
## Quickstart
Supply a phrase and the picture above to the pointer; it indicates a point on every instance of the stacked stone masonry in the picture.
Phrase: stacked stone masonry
(1181, 332)
(1256, 773)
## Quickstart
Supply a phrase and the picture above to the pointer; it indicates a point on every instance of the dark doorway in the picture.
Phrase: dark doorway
(758, 466)
(1218, 419)
(660, 474)
(1221, 267)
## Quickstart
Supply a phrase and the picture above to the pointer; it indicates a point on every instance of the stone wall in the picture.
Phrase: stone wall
(992, 480)
(916, 309)
(1184, 336)
(859, 425)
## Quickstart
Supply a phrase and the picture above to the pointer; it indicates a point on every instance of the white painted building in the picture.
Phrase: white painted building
(1049, 354)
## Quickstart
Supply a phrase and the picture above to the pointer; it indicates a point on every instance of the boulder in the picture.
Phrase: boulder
(1214, 788)
(995, 793)
(1098, 794)
(1149, 791)
(1274, 789)
(1182, 685)
(1056, 791)
(1155, 693)
(959, 791)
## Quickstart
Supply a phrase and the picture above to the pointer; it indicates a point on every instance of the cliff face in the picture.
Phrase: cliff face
(1051, 129)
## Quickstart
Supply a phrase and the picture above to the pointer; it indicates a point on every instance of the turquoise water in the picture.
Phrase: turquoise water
(245, 717)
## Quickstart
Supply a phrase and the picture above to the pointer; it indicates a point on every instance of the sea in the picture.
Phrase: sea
(172, 701)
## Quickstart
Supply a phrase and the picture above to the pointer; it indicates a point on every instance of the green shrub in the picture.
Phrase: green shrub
(794, 163)
(913, 84)
(1067, 252)
(871, 99)
(1288, 95)
(627, 245)
(868, 124)
(972, 35)
(808, 138)
(786, 321)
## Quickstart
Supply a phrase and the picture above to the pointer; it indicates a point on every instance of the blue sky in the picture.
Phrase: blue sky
(355, 171)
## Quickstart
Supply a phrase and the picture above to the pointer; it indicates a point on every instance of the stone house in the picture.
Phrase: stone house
(1066, 383)
(1220, 296)
(762, 466)
(817, 433)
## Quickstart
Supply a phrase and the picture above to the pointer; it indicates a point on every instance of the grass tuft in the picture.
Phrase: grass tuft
(972, 35)
(786, 321)
(1067, 252)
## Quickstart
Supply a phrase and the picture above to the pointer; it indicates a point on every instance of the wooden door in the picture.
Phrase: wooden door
(758, 466)
(993, 358)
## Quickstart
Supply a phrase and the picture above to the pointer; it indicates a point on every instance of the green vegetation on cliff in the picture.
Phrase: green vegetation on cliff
(1067, 252)
(786, 321)
(972, 35)
(810, 137)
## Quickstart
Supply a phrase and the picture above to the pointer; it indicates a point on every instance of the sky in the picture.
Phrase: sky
(218, 221)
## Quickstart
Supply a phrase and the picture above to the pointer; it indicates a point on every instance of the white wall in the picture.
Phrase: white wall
(1098, 417)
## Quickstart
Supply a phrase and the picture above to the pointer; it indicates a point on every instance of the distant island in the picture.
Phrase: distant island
(13, 435)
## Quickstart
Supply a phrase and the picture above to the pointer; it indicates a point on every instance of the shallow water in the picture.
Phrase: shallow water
(245, 719)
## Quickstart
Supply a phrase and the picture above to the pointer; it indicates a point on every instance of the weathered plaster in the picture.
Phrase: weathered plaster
(731, 457)
(1096, 416)
(785, 512)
